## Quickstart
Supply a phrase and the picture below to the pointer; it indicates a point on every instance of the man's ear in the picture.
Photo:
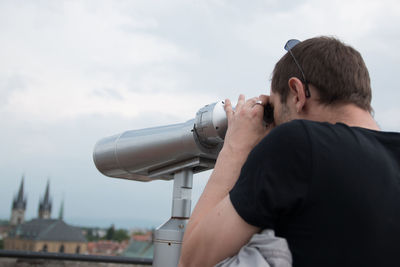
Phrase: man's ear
(297, 93)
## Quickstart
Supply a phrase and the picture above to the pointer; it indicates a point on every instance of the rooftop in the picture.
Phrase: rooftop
(139, 249)
(49, 230)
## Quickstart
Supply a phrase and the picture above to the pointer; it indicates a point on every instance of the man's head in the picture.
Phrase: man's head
(335, 73)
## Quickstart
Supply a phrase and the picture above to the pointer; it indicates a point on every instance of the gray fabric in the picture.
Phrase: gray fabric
(264, 249)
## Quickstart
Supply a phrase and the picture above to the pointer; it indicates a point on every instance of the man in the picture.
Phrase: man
(322, 176)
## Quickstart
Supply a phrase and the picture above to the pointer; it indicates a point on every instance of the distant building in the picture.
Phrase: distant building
(4, 229)
(140, 246)
(47, 235)
(146, 236)
(45, 204)
(18, 206)
(139, 249)
(42, 234)
(106, 247)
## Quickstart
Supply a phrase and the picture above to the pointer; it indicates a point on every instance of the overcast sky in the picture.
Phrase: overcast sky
(72, 72)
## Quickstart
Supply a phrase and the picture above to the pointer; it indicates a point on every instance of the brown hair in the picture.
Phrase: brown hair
(336, 70)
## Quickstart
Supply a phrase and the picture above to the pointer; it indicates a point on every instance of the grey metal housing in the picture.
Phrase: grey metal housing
(156, 153)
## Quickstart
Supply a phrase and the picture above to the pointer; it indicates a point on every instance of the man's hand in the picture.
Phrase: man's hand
(245, 124)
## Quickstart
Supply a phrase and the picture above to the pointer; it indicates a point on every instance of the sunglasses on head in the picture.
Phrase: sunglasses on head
(288, 47)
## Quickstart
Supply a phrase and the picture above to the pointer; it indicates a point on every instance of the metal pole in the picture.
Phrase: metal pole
(168, 237)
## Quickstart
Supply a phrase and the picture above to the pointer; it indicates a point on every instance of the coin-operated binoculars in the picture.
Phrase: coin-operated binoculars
(165, 153)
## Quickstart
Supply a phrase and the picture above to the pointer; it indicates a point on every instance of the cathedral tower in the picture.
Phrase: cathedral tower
(45, 204)
(18, 206)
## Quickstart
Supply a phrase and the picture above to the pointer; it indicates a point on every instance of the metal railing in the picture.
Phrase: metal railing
(73, 257)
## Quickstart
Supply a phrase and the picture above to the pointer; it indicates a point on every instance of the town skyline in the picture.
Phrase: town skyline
(57, 212)
(73, 72)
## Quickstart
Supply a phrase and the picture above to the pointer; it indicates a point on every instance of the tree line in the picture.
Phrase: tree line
(111, 234)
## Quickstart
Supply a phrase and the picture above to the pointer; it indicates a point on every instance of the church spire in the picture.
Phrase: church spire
(19, 205)
(61, 214)
(45, 204)
(19, 201)
(20, 197)
(46, 195)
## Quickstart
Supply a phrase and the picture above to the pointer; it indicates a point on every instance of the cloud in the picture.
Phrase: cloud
(9, 85)
(76, 51)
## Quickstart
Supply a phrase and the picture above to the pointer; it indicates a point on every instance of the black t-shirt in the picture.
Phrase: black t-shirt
(332, 191)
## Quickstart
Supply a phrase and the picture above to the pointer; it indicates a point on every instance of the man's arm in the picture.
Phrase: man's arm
(222, 236)
(215, 230)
